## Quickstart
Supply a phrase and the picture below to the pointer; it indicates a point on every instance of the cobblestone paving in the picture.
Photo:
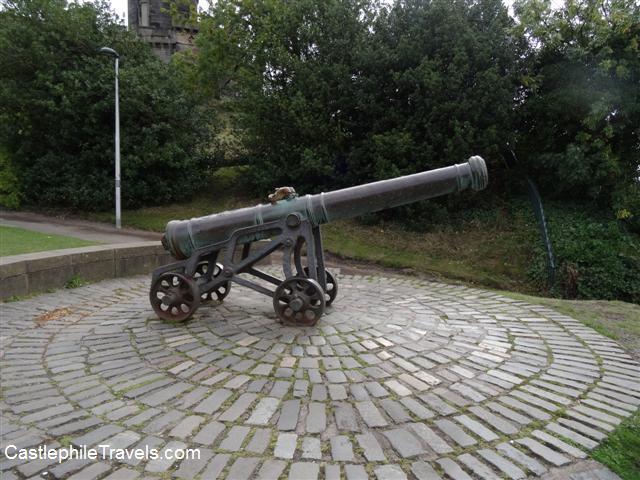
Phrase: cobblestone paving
(401, 379)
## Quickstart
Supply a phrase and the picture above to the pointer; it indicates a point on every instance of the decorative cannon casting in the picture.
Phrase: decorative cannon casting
(292, 224)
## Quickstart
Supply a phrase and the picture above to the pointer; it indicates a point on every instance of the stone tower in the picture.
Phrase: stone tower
(149, 19)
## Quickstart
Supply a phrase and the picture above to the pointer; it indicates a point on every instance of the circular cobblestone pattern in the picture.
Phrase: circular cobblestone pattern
(402, 378)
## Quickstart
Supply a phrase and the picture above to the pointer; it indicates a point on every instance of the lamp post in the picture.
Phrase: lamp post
(112, 53)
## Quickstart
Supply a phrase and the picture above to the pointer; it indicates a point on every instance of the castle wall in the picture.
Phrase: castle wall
(150, 21)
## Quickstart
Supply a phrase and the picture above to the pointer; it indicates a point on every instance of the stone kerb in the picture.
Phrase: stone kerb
(38, 272)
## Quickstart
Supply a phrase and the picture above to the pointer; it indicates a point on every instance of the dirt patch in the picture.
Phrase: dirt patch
(56, 314)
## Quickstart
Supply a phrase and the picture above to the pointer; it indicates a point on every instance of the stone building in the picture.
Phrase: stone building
(151, 21)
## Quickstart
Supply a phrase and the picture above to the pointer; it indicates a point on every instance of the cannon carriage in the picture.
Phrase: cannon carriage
(214, 251)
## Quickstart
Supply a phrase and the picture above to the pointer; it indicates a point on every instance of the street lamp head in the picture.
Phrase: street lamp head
(108, 51)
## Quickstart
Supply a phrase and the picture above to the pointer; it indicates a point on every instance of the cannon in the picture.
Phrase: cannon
(214, 251)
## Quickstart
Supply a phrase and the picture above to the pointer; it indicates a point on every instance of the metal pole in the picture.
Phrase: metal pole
(118, 219)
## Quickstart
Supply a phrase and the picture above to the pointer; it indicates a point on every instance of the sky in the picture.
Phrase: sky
(120, 7)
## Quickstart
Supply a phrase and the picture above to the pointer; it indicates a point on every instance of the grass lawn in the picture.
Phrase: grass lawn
(488, 255)
(620, 451)
(14, 241)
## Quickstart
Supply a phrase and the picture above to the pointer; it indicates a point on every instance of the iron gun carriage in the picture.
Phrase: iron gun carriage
(216, 250)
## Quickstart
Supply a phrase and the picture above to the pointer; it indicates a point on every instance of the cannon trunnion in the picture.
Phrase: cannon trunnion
(216, 250)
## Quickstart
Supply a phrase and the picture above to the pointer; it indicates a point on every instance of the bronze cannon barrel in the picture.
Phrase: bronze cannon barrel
(183, 237)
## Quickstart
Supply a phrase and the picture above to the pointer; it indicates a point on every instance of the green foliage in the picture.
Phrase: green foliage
(626, 205)
(75, 282)
(595, 257)
(9, 188)
(438, 84)
(581, 113)
(57, 110)
(333, 93)
(620, 451)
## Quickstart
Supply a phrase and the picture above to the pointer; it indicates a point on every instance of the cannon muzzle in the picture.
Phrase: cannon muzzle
(183, 237)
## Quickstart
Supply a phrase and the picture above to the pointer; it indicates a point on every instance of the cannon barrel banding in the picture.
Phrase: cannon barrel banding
(292, 225)
(182, 237)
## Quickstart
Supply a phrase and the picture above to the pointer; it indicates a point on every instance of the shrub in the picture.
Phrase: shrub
(57, 110)
(627, 205)
(338, 93)
(595, 256)
(9, 189)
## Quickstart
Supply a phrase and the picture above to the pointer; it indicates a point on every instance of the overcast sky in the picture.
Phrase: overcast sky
(120, 7)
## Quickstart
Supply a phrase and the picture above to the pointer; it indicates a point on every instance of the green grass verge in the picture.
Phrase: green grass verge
(483, 257)
(492, 255)
(156, 218)
(620, 451)
(14, 241)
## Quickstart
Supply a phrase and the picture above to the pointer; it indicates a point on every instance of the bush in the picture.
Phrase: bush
(57, 110)
(338, 93)
(9, 190)
(581, 110)
(627, 205)
(596, 258)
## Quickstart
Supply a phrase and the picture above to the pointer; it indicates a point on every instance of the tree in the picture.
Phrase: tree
(56, 110)
(289, 68)
(338, 92)
(438, 84)
(581, 117)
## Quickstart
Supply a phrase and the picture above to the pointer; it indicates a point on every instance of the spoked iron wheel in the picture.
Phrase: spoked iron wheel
(174, 296)
(299, 301)
(218, 293)
(332, 286)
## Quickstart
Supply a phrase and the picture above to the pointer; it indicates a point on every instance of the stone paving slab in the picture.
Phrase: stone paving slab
(402, 378)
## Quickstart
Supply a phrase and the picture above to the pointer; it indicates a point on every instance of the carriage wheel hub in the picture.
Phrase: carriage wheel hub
(170, 298)
(296, 303)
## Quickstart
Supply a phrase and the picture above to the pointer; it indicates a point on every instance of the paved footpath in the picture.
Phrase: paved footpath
(73, 227)
(403, 378)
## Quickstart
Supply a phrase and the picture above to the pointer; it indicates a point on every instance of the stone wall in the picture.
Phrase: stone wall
(153, 24)
(38, 272)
